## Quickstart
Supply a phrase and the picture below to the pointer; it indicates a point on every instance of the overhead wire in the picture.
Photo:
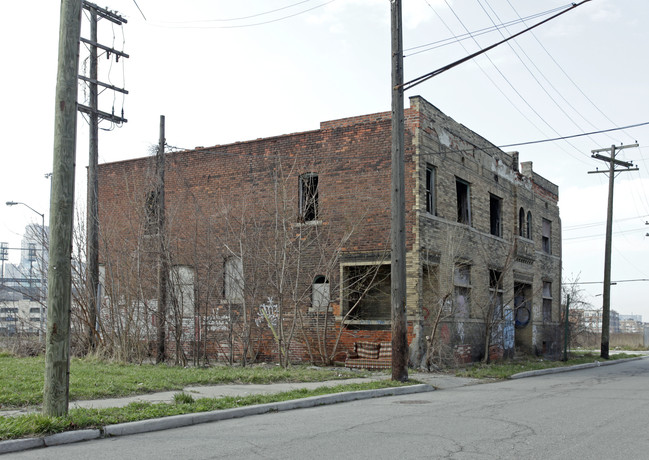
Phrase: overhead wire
(538, 71)
(238, 26)
(448, 41)
(516, 91)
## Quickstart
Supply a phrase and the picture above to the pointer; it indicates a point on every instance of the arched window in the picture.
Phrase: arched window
(320, 292)
(521, 222)
(528, 229)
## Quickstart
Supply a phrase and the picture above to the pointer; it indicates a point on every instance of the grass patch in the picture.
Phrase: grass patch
(21, 379)
(504, 370)
(31, 425)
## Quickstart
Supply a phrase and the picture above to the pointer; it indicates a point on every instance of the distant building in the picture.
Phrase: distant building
(593, 320)
(22, 285)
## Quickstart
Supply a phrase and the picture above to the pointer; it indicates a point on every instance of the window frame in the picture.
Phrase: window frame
(463, 198)
(233, 283)
(546, 237)
(308, 189)
(495, 222)
(547, 301)
(429, 185)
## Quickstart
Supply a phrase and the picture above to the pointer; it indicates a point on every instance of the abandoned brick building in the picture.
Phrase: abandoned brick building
(279, 247)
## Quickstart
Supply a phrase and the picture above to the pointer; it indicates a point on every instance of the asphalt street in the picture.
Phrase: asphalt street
(601, 412)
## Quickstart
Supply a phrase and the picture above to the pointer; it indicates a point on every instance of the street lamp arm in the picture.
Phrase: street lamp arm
(13, 203)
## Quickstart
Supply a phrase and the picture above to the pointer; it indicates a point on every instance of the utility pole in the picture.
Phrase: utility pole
(398, 205)
(57, 347)
(606, 295)
(162, 255)
(94, 115)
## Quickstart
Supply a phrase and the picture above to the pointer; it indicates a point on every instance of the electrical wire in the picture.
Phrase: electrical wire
(504, 77)
(447, 41)
(247, 25)
(239, 18)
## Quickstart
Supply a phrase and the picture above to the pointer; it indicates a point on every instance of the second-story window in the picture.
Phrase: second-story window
(546, 236)
(463, 201)
(308, 197)
(430, 189)
(495, 215)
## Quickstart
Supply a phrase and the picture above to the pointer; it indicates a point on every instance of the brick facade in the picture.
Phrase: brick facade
(308, 213)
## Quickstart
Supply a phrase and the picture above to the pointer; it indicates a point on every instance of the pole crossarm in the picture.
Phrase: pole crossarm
(104, 115)
(105, 85)
(103, 47)
(104, 13)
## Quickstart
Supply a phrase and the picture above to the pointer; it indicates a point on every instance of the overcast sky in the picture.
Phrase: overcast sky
(223, 71)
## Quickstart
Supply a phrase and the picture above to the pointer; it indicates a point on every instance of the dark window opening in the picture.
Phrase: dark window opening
(521, 222)
(495, 215)
(308, 197)
(430, 189)
(463, 202)
(367, 294)
(529, 225)
(151, 213)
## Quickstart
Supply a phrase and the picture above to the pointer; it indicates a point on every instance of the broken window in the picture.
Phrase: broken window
(529, 225)
(547, 301)
(367, 294)
(546, 236)
(320, 295)
(233, 280)
(496, 293)
(463, 201)
(430, 190)
(495, 215)
(308, 197)
(462, 281)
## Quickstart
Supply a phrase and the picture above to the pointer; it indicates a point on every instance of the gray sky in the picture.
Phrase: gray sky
(219, 79)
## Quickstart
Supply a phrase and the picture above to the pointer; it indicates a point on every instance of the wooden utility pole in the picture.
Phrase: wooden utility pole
(606, 295)
(398, 206)
(57, 346)
(92, 221)
(162, 254)
(94, 116)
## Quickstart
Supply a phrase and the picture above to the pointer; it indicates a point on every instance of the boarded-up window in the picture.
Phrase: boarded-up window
(462, 281)
(547, 301)
(320, 295)
(233, 282)
(463, 201)
(496, 293)
(546, 236)
(308, 197)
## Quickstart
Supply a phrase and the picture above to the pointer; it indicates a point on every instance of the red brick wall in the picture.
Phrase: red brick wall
(209, 191)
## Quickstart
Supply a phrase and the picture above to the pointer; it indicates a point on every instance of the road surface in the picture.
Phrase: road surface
(594, 413)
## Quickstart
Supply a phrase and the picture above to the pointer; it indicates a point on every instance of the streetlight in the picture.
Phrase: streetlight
(43, 280)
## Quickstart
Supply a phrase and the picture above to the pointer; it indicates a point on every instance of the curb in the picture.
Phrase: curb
(576, 367)
(178, 421)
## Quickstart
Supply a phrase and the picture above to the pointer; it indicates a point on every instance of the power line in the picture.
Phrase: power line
(241, 17)
(574, 135)
(248, 25)
(476, 33)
